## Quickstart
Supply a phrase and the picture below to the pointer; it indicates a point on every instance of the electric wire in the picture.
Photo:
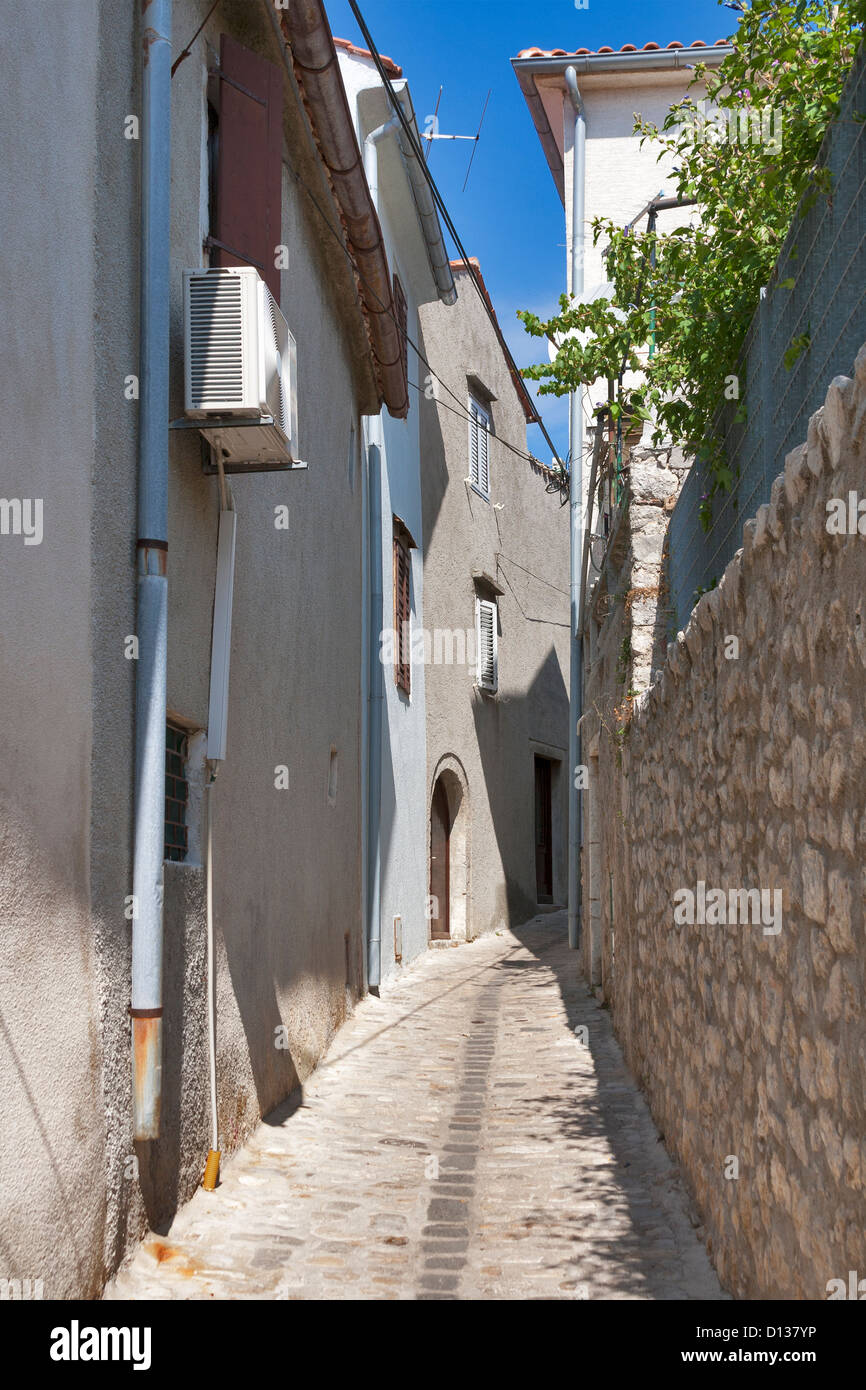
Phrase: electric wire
(185, 52)
(462, 411)
(462, 415)
(440, 202)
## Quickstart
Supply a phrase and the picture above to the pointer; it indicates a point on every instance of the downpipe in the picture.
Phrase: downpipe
(371, 156)
(152, 580)
(374, 723)
(575, 905)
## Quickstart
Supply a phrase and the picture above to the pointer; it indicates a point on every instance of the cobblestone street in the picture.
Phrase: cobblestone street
(459, 1141)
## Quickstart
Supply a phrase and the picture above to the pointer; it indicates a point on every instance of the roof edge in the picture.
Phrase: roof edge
(467, 268)
(307, 33)
(536, 63)
(393, 69)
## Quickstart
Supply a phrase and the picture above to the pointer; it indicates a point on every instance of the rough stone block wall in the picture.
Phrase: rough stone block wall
(742, 767)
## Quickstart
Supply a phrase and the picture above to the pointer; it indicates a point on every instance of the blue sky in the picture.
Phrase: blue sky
(510, 216)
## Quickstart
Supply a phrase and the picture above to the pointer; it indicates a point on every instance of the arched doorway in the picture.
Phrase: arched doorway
(449, 853)
(440, 864)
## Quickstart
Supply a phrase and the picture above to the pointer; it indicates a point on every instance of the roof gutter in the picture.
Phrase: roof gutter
(623, 62)
(427, 214)
(305, 27)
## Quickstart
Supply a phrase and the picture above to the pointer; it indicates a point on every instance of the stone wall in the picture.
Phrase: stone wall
(742, 767)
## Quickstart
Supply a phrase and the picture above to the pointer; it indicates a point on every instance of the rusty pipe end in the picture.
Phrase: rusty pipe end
(211, 1170)
(146, 1076)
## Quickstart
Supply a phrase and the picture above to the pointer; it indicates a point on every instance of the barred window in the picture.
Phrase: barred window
(176, 792)
(402, 610)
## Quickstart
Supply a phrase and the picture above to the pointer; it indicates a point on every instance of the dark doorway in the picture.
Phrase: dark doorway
(440, 863)
(543, 831)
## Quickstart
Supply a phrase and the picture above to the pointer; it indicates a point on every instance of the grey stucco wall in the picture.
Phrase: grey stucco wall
(286, 862)
(50, 1095)
(520, 538)
(76, 1194)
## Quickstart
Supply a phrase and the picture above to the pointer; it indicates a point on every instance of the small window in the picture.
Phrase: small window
(332, 777)
(401, 314)
(176, 792)
(479, 459)
(402, 607)
(487, 635)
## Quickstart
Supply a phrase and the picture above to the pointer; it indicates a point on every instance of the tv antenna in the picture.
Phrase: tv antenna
(431, 133)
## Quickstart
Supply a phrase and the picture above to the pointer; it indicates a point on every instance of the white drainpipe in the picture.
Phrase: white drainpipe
(578, 169)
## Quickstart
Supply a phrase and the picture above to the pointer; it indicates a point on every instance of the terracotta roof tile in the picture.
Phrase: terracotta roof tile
(392, 68)
(626, 48)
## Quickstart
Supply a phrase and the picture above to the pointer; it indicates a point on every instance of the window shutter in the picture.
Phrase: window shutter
(483, 466)
(401, 313)
(479, 467)
(402, 613)
(249, 168)
(488, 650)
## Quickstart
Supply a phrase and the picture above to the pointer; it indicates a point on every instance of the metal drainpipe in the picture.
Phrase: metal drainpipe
(371, 156)
(152, 583)
(374, 723)
(377, 685)
(575, 906)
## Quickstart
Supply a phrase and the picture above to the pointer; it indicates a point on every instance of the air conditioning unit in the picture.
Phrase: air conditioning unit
(240, 369)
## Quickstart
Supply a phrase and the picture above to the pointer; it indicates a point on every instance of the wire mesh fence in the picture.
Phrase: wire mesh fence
(825, 256)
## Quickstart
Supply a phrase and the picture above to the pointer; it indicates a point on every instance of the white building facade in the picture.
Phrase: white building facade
(396, 862)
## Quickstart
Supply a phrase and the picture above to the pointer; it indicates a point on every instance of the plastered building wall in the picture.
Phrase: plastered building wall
(51, 1210)
(77, 1194)
(519, 538)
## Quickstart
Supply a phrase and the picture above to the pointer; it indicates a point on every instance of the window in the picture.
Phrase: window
(402, 606)
(479, 430)
(487, 637)
(401, 314)
(176, 792)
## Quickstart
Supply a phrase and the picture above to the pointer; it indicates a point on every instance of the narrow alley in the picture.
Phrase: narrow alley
(459, 1141)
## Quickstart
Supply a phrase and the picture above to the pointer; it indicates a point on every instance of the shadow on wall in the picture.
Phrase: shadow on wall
(503, 728)
(168, 1169)
(434, 469)
(67, 1238)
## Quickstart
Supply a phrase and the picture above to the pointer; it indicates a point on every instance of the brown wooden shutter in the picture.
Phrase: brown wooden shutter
(401, 314)
(402, 612)
(249, 170)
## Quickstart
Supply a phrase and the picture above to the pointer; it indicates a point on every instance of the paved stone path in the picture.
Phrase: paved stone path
(459, 1141)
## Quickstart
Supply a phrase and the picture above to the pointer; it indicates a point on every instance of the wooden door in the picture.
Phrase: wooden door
(440, 867)
(543, 832)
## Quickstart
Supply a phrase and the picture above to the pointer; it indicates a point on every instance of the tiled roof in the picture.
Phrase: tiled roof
(392, 68)
(626, 48)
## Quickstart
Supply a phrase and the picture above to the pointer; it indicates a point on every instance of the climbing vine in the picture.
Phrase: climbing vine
(747, 154)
